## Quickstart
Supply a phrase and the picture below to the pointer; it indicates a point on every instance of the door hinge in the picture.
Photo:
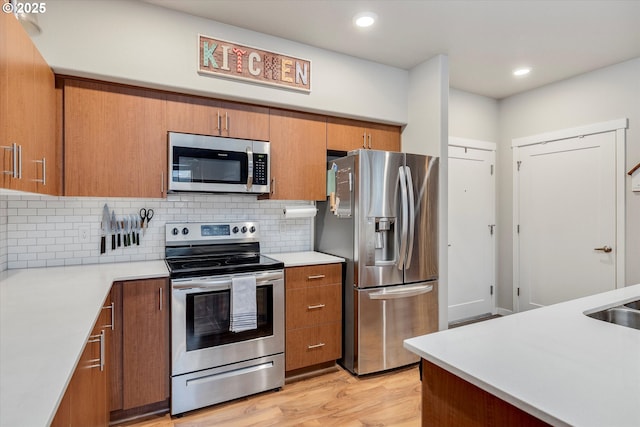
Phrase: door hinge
(518, 228)
(519, 162)
(491, 226)
(518, 291)
(491, 169)
(491, 290)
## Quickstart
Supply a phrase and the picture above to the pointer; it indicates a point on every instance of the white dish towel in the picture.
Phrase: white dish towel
(243, 304)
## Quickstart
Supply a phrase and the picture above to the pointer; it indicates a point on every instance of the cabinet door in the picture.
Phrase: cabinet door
(145, 343)
(115, 140)
(244, 121)
(345, 134)
(85, 402)
(18, 97)
(298, 156)
(384, 137)
(44, 164)
(114, 361)
(203, 116)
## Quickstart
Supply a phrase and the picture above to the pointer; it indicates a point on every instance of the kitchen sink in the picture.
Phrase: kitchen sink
(633, 304)
(623, 315)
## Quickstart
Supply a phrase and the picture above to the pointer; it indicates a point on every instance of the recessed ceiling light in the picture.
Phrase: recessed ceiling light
(365, 19)
(521, 71)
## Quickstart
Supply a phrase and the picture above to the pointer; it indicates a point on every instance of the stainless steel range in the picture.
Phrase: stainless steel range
(227, 314)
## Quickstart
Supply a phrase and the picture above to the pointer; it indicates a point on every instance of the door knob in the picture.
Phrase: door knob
(605, 248)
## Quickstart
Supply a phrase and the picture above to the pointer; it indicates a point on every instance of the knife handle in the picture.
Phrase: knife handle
(103, 245)
(133, 237)
(138, 239)
(113, 242)
(119, 240)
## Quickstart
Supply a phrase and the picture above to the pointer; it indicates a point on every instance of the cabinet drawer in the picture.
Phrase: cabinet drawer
(313, 275)
(313, 305)
(313, 345)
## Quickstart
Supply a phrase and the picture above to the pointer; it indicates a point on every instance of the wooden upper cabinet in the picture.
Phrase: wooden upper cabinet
(298, 156)
(205, 116)
(27, 113)
(115, 140)
(347, 135)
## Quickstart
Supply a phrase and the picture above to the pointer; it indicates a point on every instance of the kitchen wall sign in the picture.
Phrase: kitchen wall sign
(232, 60)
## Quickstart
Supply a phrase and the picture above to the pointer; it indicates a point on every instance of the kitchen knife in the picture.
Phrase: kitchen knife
(113, 230)
(105, 229)
(133, 229)
(138, 227)
(119, 229)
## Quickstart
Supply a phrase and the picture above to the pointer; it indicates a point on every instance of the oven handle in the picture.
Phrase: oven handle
(220, 283)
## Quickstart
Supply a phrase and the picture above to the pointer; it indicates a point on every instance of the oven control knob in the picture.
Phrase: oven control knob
(252, 229)
(244, 229)
(235, 230)
(185, 231)
(175, 231)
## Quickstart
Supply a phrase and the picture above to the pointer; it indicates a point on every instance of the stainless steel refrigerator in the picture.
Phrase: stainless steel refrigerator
(384, 223)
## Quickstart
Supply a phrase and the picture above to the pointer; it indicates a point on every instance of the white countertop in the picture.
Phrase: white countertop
(46, 316)
(296, 259)
(553, 362)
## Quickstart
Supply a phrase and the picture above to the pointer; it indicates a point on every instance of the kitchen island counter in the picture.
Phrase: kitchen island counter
(297, 259)
(46, 316)
(554, 363)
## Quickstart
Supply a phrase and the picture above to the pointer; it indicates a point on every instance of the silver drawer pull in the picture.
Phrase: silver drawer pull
(309, 347)
(313, 307)
(97, 363)
(318, 276)
(110, 307)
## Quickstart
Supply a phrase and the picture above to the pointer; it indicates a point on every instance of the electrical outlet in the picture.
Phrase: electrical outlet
(84, 233)
(283, 227)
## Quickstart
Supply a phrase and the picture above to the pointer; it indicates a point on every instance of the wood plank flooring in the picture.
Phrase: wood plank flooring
(333, 399)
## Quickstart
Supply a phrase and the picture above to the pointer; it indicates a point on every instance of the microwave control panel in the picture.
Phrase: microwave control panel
(260, 162)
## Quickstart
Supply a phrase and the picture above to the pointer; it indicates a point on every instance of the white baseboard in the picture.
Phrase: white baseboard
(504, 311)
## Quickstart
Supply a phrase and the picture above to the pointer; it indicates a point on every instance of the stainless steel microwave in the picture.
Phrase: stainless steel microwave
(204, 163)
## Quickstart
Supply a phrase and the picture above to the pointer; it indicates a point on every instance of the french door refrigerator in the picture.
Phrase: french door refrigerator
(384, 223)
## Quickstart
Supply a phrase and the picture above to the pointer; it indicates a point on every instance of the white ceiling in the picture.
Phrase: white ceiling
(484, 39)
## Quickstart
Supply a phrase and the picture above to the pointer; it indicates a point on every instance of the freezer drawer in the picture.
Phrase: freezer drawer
(386, 317)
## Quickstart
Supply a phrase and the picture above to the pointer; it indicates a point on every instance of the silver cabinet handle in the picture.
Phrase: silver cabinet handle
(44, 171)
(226, 121)
(309, 347)
(98, 363)
(369, 140)
(160, 304)
(364, 139)
(313, 307)
(317, 276)
(219, 123)
(14, 159)
(110, 307)
(19, 161)
(605, 249)
(273, 186)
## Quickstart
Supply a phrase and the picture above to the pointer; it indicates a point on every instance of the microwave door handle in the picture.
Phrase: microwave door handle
(412, 216)
(249, 168)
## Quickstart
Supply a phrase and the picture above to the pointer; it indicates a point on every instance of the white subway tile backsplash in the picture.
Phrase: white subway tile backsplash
(38, 231)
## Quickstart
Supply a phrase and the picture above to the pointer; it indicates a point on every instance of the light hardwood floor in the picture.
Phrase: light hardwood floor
(333, 399)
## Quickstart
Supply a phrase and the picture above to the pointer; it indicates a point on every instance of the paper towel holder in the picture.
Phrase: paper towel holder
(294, 212)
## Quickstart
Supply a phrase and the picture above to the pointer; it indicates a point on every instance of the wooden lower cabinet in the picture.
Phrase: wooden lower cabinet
(450, 401)
(140, 352)
(85, 402)
(313, 315)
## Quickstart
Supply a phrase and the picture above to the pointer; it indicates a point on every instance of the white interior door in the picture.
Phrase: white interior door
(565, 219)
(471, 232)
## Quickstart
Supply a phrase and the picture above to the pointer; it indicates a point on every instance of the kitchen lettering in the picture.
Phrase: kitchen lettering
(243, 62)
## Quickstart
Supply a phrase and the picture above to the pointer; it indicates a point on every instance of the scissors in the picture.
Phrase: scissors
(145, 214)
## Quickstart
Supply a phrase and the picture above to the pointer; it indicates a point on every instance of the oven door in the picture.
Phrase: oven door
(214, 164)
(200, 315)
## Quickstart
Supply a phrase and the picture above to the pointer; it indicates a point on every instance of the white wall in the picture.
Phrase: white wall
(606, 94)
(143, 44)
(427, 133)
(472, 116)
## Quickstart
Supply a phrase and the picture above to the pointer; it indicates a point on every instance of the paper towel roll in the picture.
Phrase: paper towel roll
(299, 212)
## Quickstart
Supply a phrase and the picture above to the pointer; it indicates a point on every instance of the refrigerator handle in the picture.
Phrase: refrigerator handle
(404, 208)
(412, 217)
(404, 292)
